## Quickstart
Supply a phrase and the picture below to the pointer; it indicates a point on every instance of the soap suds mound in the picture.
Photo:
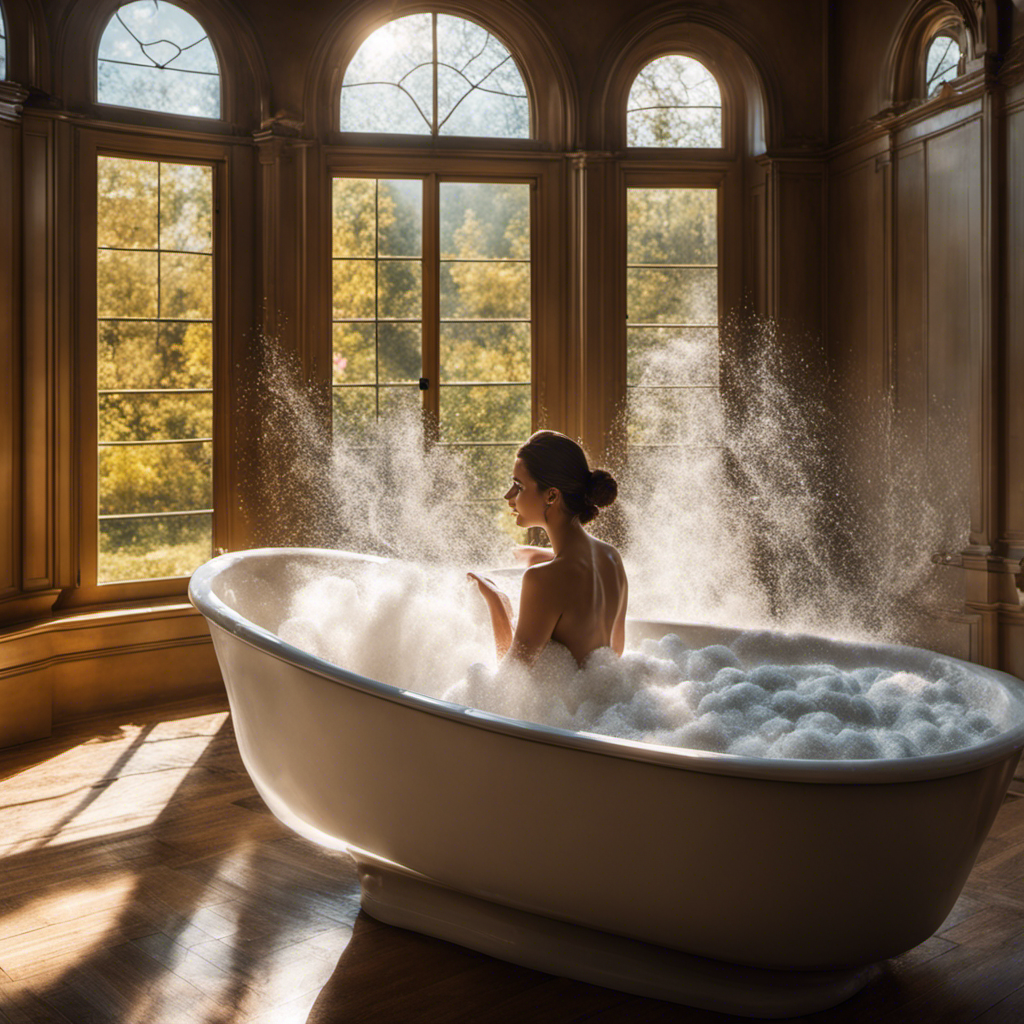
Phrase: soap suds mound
(705, 699)
(419, 628)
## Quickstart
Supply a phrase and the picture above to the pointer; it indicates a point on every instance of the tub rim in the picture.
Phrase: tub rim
(863, 771)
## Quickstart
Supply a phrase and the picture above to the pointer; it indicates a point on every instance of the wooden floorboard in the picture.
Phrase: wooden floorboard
(143, 880)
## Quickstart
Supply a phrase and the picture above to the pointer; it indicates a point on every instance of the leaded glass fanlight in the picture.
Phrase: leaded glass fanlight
(674, 102)
(434, 74)
(3, 47)
(155, 56)
(942, 62)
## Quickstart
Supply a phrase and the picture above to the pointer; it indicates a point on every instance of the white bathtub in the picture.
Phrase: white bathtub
(751, 886)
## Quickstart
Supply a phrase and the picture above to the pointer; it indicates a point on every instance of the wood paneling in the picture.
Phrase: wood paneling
(911, 362)
(800, 212)
(857, 261)
(1012, 398)
(10, 329)
(88, 662)
(37, 355)
(954, 262)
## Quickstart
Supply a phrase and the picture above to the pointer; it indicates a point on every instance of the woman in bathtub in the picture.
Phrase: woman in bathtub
(574, 593)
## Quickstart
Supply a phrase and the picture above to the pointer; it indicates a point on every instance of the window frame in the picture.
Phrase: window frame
(950, 27)
(722, 175)
(174, 118)
(550, 346)
(474, 141)
(92, 145)
(728, 146)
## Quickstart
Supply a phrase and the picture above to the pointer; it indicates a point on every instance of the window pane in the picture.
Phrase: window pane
(155, 417)
(389, 84)
(354, 410)
(475, 290)
(400, 401)
(485, 413)
(186, 286)
(354, 289)
(484, 220)
(672, 296)
(668, 231)
(186, 207)
(399, 351)
(674, 415)
(672, 355)
(489, 467)
(400, 217)
(152, 548)
(485, 352)
(942, 63)
(155, 477)
(126, 203)
(672, 225)
(155, 56)
(157, 353)
(355, 354)
(126, 283)
(400, 53)
(479, 88)
(354, 216)
(153, 355)
(399, 288)
(674, 102)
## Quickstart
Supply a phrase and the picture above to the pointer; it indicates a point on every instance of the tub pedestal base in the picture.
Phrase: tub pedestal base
(395, 896)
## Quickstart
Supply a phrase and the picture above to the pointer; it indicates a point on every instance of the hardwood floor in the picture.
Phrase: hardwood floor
(143, 880)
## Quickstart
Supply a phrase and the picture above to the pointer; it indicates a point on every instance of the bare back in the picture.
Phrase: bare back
(583, 591)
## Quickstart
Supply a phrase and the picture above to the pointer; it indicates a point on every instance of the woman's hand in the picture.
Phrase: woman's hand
(492, 594)
(501, 611)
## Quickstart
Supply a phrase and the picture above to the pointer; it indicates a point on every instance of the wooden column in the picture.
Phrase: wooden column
(600, 311)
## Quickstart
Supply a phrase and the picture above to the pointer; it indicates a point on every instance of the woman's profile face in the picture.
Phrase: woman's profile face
(524, 497)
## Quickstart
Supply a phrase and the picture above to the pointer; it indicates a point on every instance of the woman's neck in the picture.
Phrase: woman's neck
(564, 532)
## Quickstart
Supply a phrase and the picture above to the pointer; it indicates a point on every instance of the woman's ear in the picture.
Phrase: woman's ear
(553, 495)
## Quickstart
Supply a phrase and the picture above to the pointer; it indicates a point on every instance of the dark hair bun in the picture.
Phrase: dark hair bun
(601, 489)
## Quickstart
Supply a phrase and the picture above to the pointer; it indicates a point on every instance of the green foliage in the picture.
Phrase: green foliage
(485, 276)
(672, 279)
(155, 261)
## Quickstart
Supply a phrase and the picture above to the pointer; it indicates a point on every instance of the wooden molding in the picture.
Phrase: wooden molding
(81, 663)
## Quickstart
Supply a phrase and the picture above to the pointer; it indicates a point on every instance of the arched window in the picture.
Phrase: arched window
(675, 102)
(155, 56)
(433, 250)
(930, 49)
(943, 59)
(3, 46)
(434, 74)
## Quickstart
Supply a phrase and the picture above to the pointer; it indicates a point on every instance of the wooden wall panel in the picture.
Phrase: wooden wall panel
(1012, 492)
(857, 261)
(800, 273)
(10, 394)
(911, 292)
(37, 256)
(954, 260)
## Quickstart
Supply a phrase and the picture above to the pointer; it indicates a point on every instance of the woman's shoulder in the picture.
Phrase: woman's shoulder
(609, 551)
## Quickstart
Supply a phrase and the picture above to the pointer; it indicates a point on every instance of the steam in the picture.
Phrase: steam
(792, 510)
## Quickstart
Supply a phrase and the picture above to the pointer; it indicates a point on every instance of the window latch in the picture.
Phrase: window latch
(424, 383)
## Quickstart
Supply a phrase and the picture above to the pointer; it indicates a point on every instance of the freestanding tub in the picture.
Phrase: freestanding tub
(757, 887)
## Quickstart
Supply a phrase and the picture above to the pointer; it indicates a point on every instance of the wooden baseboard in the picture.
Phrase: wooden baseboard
(81, 663)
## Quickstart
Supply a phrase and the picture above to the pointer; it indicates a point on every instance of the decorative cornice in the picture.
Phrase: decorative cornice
(12, 101)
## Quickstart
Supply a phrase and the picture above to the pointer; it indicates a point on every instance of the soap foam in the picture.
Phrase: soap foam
(418, 628)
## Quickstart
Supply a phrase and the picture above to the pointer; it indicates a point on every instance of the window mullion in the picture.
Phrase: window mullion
(431, 302)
